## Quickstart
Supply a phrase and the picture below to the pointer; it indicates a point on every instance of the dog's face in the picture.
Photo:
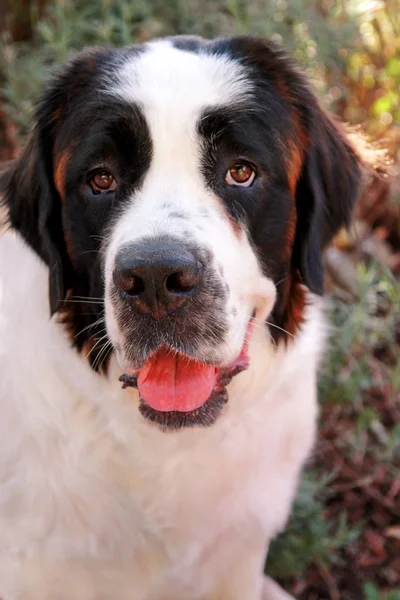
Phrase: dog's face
(177, 191)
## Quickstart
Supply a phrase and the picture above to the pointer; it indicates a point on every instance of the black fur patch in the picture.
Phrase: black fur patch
(92, 128)
(280, 126)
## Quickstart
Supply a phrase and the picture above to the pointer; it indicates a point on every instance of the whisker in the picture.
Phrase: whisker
(96, 344)
(92, 251)
(91, 325)
(271, 341)
(280, 328)
(280, 281)
(102, 355)
(85, 314)
(260, 326)
(83, 301)
(88, 297)
(98, 237)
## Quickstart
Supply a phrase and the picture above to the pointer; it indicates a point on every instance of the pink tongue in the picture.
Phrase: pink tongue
(169, 382)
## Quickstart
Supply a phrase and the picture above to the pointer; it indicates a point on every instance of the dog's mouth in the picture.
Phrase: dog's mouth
(177, 391)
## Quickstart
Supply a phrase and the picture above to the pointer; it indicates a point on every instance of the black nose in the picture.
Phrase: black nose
(157, 277)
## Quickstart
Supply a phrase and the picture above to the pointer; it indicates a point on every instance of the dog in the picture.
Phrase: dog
(162, 320)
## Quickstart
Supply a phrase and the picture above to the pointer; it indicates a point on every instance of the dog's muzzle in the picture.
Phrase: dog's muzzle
(170, 306)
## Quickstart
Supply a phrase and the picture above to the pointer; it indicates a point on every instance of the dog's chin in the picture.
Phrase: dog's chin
(204, 416)
(176, 391)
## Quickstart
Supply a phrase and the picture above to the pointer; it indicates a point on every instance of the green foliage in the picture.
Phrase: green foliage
(369, 90)
(347, 375)
(372, 593)
(328, 38)
(309, 537)
(355, 331)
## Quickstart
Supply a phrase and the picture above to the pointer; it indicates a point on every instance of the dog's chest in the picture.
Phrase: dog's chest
(83, 474)
(84, 482)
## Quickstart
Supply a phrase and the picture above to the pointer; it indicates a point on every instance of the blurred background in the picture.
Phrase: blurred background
(343, 541)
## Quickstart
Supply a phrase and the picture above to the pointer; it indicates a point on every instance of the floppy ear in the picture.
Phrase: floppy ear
(328, 187)
(31, 198)
(34, 210)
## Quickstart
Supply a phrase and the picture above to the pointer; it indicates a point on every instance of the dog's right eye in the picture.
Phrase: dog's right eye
(102, 181)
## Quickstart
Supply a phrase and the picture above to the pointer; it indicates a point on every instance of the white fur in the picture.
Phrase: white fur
(95, 501)
(93, 492)
(185, 82)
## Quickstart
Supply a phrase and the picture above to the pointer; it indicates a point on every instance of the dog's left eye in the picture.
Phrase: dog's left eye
(102, 181)
(240, 174)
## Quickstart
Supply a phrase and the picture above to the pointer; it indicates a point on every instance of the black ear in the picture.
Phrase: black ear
(328, 187)
(33, 203)
(34, 210)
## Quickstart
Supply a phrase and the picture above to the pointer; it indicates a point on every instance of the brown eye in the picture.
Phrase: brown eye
(102, 181)
(240, 174)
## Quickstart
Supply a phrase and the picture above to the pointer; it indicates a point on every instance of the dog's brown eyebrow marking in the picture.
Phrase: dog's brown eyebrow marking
(294, 160)
(298, 140)
(290, 233)
(61, 162)
(57, 114)
(294, 314)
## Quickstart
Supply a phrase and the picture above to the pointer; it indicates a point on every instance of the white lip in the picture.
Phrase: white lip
(263, 298)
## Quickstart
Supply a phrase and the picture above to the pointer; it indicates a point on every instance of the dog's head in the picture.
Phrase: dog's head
(175, 191)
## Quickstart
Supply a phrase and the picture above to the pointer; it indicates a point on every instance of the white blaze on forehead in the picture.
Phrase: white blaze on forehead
(172, 87)
(180, 83)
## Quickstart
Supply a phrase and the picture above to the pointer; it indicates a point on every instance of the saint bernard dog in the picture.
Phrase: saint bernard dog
(161, 320)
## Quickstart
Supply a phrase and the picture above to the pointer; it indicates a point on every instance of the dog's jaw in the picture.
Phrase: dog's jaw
(205, 412)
